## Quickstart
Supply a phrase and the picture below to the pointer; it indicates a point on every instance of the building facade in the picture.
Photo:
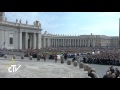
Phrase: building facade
(49, 40)
(19, 36)
(23, 36)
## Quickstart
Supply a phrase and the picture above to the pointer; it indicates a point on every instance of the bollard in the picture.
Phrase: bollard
(93, 70)
(81, 64)
(77, 58)
(5, 56)
(75, 63)
(62, 59)
(30, 58)
(22, 57)
(95, 75)
(89, 68)
(85, 67)
(38, 57)
(14, 56)
(68, 62)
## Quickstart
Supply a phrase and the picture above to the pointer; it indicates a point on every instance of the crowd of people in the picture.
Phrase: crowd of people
(106, 56)
(112, 73)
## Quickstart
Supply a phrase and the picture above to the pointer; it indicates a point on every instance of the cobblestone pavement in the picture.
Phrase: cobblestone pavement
(40, 69)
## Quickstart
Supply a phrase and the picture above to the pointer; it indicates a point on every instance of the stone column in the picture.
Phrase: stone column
(81, 42)
(78, 42)
(93, 42)
(26, 40)
(88, 43)
(85, 43)
(34, 44)
(70, 42)
(56, 42)
(66, 42)
(30, 41)
(44, 41)
(63, 42)
(75, 43)
(48, 42)
(53, 42)
(20, 42)
(39, 40)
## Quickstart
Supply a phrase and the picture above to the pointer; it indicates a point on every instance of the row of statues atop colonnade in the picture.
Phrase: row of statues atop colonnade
(36, 23)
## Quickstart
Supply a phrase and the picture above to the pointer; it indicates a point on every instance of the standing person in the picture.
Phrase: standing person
(112, 69)
(90, 74)
(65, 56)
(44, 56)
(55, 57)
(117, 72)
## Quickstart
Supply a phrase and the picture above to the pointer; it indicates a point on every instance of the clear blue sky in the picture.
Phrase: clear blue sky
(74, 23)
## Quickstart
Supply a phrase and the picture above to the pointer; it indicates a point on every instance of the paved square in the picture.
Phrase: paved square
(40, 69)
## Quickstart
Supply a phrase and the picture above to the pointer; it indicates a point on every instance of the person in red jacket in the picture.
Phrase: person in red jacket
(44, 56)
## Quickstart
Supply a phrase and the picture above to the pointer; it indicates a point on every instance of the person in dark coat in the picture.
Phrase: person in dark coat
(91, 74)
(55, 57)
(117, 72)
(112, 69)
(65, 56)
(106, 76)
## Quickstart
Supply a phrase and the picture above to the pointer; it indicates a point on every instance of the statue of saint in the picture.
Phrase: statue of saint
(39, 24)
(34, 23)
(5, 19)
(26, 22)
(20, 21)
(16, 20)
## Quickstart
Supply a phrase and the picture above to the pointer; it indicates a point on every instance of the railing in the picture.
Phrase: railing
(18, 24)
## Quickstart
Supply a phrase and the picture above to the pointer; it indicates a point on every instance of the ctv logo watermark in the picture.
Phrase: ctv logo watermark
(13, 67)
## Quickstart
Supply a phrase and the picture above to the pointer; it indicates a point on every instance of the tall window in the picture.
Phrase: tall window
(11, 40)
